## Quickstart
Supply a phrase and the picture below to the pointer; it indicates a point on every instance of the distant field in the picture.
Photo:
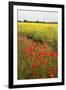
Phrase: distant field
(40, 32)
(37, 50)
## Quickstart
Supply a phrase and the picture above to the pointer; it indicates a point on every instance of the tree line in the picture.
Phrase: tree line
(36, 21)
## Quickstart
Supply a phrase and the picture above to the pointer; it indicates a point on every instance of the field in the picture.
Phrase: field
(37, 50)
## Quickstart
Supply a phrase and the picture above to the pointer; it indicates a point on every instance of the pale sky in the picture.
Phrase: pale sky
(37, 16)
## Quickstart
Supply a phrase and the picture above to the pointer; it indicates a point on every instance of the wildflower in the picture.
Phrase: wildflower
(45, 46)
(37, 52)
(45, 62)
(31, 48)
(38, 58)
(33, 65)
(39, 63)
(55, 54)
(51, 75)
(42, 48)
(52, 54)
(48, 67)
(32, 53)
(55, 70)
(43, 54)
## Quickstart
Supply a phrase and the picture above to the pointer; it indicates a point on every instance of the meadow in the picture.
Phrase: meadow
(37, 50)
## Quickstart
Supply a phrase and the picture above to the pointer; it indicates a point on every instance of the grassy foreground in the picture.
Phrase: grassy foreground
(37, 50)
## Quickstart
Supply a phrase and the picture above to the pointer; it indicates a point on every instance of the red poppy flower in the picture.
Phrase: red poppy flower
(31, 48)
(52, 54)
(48, 68)
(45, 46)
(45, 62)
(51, 75)
(55, 70)
(32, 53)
(38, 58)
(42, 48)
(39, 63)
(33, 65)
(37, 52)
(55, 54)
(27, 51)
(43, 54)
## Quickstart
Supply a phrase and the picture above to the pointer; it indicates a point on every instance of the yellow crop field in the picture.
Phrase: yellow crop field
(44, 32)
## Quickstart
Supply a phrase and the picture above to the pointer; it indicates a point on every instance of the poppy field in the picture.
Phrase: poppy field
(37, 56)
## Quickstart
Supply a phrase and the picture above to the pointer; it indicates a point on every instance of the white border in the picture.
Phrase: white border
(34, 81)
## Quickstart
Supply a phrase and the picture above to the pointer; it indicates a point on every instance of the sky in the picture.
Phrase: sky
(37, 16)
